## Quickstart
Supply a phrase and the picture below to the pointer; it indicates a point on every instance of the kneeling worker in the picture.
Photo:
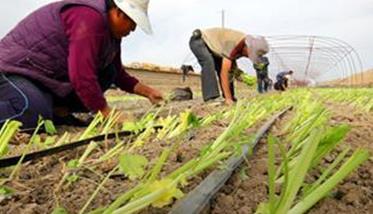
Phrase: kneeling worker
(62, 57)
(283, 80)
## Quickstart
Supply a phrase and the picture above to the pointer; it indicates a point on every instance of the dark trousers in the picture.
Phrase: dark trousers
(211, 66)
(24, 100)
(281, 84)
(262, 81)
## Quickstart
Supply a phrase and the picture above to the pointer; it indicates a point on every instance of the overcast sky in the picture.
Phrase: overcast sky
(174, 20)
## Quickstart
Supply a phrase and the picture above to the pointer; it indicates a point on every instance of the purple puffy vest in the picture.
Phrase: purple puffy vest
(38, 47)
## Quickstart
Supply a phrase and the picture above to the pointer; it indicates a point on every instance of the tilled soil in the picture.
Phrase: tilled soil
(248, 185)
(37, 186)
(355, 193)
(247, 188)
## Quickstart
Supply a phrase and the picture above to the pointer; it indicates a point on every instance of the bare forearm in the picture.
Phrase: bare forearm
(224, 76)
(225, 86)
(152, 94)
(140, 89)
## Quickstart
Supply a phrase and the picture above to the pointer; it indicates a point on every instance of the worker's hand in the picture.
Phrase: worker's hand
(229, 102)
(152, 94)
(155, 96)
(106, 111)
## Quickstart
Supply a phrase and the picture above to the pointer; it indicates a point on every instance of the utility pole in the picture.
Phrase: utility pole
(312, 43)
(223, 18)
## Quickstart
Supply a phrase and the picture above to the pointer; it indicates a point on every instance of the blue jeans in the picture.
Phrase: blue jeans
(24, 100)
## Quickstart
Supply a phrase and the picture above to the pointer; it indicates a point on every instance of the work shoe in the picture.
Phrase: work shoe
(215, 101)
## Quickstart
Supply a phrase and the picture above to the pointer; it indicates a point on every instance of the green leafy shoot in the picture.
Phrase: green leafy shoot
(59, 210)
(132, 165)
(49, 127)
(8, 130)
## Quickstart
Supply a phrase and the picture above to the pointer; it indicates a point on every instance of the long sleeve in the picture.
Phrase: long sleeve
(124, 81)
(85, 29)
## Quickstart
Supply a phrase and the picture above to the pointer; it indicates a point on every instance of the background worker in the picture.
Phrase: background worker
(261, 68)
(283, 80)
(61, 58)
(269, 83)
(217, 50)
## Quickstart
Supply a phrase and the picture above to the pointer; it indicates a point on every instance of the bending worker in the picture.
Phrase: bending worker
(61, 58)
(283, 80)
(217, 50)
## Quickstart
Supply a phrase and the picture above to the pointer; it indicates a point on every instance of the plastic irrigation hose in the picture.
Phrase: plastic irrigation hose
(11, 161)
(200, 197)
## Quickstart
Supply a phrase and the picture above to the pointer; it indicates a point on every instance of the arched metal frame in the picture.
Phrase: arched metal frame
(314, 58)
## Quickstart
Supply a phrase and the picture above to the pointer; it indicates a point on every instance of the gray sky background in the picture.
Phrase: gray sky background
(174, 20)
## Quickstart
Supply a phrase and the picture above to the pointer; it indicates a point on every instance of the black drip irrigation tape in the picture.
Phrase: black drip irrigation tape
(11, 161)
(196, 201)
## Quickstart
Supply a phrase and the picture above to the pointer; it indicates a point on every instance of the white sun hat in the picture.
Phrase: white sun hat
(137, 10)
(256, 44)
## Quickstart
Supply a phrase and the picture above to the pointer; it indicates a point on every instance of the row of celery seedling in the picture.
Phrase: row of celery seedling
(308, 140)
(173, 127)
(159, 191)
(361, 98)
